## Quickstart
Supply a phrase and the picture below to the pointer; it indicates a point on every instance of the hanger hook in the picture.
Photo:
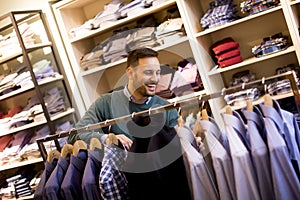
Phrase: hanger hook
(175, 103)
(202, 105)
(179, 110)
(132, 115)
(243, 85)
(223, 92)
(264, 84)
(109, 128)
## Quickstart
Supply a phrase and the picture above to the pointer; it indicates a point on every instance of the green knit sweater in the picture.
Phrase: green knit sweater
(113, 105)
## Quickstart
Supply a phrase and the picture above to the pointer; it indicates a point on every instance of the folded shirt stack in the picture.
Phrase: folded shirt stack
(226, 52)
(169, 31)
(219, 13)
(9, 43)
(239, 98)
(279, 87)
(269, 45)
(256, 6)
(241, 77)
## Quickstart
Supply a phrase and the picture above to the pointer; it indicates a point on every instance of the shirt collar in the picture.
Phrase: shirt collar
(131, 98)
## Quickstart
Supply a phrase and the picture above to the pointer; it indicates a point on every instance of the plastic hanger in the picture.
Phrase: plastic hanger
(79, 145)
(66, 150)
(268, 100)
(53, 154)
(249, 105)
(95, 143)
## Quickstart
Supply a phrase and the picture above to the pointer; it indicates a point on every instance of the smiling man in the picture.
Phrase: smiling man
(143, 71)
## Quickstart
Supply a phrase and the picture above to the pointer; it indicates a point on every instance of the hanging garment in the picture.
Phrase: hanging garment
(245, 178)
(155, 168)
(285, 180)
(49, 167)
(71, 185)
(52, 187)
(112, 181)
(259, 152)
(90, 179)
(289, 130)
(200, 180)
(222, 162)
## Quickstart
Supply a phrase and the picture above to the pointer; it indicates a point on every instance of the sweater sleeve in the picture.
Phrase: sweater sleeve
(92, 116)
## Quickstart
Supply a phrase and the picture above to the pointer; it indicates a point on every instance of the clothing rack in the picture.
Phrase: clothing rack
(291, 75)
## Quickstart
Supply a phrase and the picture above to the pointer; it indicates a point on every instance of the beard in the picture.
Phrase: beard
(147, 89)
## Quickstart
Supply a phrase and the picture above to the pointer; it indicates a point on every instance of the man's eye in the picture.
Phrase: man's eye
(148, 73)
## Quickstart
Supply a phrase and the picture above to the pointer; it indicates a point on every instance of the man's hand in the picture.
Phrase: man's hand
(124, 140)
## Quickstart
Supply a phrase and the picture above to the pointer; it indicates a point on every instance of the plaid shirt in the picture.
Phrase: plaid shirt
(256, 6)
(270, 46)
(219, 13)
(112, 181)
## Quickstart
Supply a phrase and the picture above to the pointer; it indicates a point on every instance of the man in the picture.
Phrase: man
(143, 71)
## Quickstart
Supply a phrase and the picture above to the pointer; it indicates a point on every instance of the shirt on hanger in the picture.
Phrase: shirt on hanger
(285, 180)
(246, 187)
(259, 152)
(49, 167)
(222, 162)
(52, 187)
(90, 179)
(112, 181)
(71, 185)
(201, 183)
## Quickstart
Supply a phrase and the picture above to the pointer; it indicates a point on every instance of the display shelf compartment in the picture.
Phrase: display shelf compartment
(25, 89)
(244, 19)
(126, 20)
(216, 70)
(20, 164)
(20, 53)
(158, 48)
(35, 124)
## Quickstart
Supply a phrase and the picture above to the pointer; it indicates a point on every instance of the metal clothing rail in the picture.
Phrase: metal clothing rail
(176, 105)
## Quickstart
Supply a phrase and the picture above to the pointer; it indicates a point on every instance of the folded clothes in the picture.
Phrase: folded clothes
(230, 61)
(228, 54)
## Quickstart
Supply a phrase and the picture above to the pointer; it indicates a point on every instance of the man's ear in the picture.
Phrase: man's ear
(129, 72)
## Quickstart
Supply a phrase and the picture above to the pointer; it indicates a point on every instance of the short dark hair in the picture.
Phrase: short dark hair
(134, 55)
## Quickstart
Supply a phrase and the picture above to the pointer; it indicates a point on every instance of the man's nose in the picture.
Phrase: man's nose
(155, 77)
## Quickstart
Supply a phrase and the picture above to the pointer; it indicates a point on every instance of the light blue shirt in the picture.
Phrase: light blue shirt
(260, 154)
(244, 175)
(285, 181)
(200, 180)
(221, 160)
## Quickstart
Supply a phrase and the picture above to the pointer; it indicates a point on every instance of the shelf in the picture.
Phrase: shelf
(294, 2)
(24, 89)
(121, 22)
(35, 124)
(20, 53)
(20, 164)
(158, 48)
(247, 18)
(260, 100)
(249, 61)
